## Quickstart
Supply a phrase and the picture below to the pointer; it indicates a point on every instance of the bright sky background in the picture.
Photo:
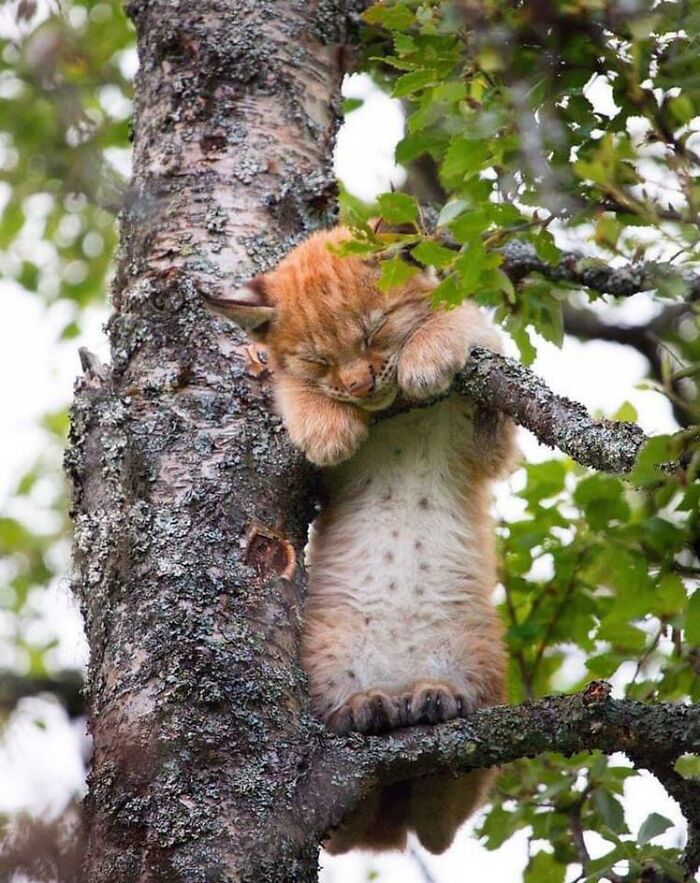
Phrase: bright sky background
(41, 767)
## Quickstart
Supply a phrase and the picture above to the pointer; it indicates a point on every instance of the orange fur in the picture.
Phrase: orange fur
(399, 625)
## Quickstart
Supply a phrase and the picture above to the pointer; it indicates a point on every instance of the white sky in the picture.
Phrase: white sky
(41, 767)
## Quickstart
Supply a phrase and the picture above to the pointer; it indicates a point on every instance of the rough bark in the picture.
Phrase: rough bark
(653, 736)
(189, 503)
(501, 384)
(498, 382)
(191, 507)
(520, 259)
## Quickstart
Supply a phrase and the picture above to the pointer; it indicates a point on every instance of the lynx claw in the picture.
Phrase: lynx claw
(368, 713)
(432, 704)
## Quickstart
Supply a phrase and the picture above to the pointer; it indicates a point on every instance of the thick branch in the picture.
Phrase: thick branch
(654, 736)
(502, 384)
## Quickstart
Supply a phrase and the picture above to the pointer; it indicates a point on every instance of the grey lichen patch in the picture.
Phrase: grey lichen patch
(502, 383)
(216, 219)
(305, 202)
(178, 453)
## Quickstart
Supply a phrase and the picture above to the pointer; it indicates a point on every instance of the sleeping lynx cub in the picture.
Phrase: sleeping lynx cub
(399, 625)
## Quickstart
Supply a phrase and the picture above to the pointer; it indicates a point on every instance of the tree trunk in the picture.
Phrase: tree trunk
(190, 506)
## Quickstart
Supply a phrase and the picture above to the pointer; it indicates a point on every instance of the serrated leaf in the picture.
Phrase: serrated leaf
(433, 255)
(447, 292)
(398, 208)
(414, 144)
(464, 157)
(393, 18)
(413, 82)
(469, 225)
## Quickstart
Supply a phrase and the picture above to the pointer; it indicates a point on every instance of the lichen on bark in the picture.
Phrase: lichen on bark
(196, 701)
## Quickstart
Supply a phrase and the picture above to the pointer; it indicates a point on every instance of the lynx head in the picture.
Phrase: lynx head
(323, 320)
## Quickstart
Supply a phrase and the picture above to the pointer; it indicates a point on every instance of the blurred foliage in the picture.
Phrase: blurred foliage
(566, 123)
(65, 108)
(64, 126)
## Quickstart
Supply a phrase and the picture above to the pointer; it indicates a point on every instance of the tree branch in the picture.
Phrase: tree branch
(520, 258)
(503, 384)
(66, 686)
(645, 339)
(653, 736)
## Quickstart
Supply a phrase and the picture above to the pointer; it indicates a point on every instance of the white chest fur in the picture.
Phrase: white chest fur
(403, 553)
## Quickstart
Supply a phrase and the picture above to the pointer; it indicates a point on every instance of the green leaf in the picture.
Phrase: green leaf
(450, 211)
(398, 208)
(610, 810)
(657, 451)
(349, 104)
(432, 254)
(394, 18)
(469, 225)
(688, 766)
(499, 825)
(447, 292)
(470, 264)
(601, 499)
(464, 157)
(652, 826)
(394, 273)
(544, 868)
(413, 145)
(413, 82)
(692, 620)
(671, 596)
(604, 665)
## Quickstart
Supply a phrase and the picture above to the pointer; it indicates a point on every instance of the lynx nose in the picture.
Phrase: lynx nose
(358, 379)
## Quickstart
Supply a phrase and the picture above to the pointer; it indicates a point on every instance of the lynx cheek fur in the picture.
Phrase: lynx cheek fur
(399, 625)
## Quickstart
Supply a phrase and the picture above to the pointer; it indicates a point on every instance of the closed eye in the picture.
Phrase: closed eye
(374, 328)
(315, 360)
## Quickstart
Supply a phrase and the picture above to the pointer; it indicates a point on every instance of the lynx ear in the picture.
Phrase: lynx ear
(247, 306)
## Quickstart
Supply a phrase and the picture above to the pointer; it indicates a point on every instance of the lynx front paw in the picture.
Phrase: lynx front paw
(424, 372)
(431, 703)
(372, 712)
(327, 444)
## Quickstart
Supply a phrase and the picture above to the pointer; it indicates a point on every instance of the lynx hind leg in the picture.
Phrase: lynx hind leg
(379, 823)
(439, 806)
(495, 442)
